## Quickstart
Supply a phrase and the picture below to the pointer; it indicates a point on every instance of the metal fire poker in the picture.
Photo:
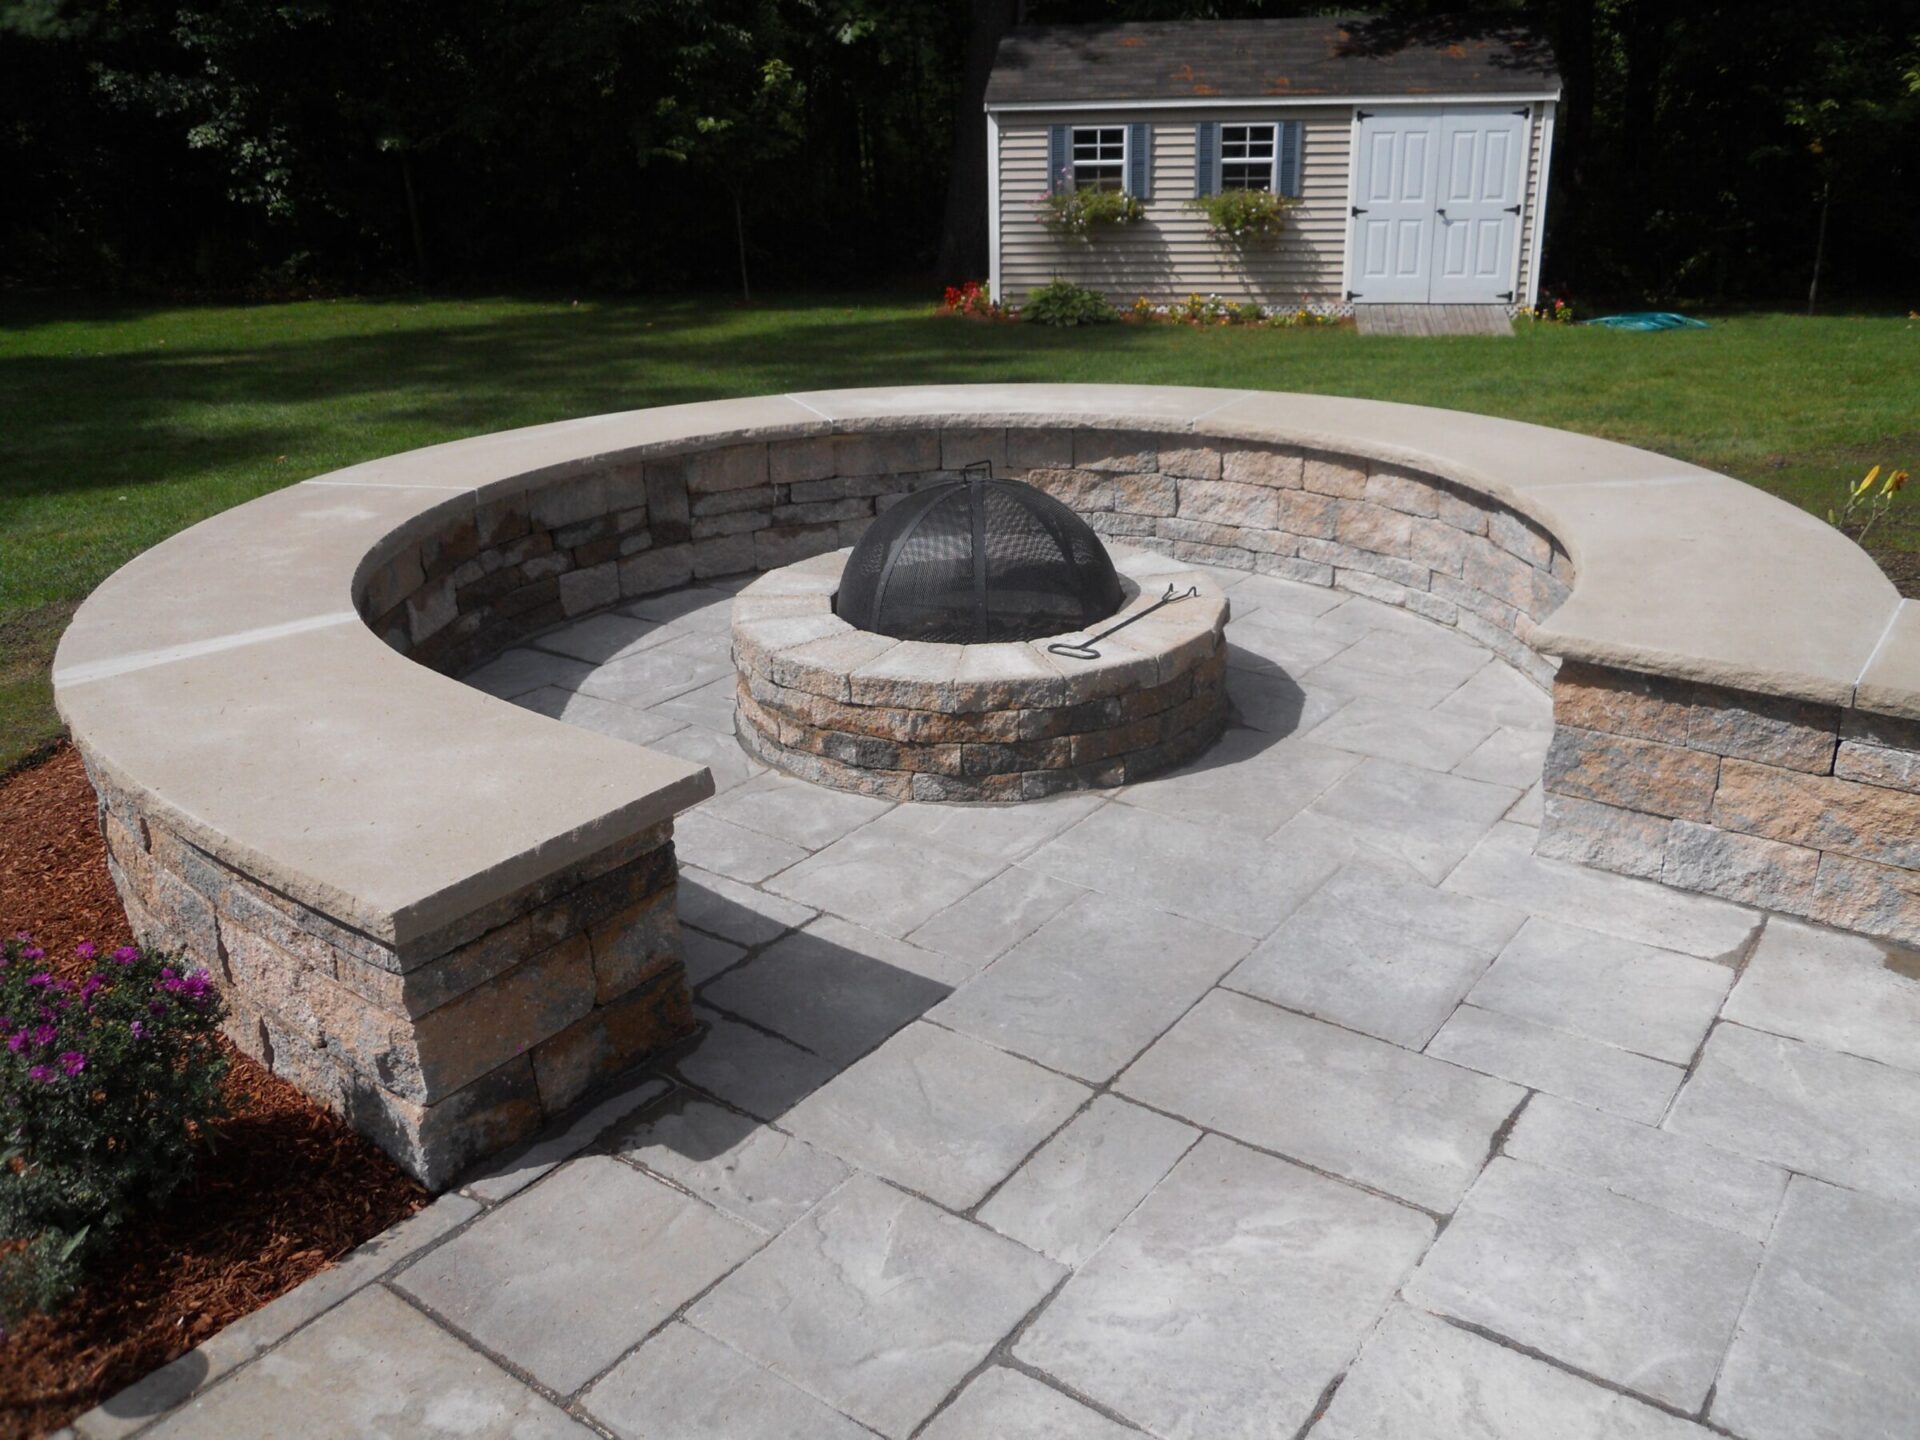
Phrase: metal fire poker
(1085, 651)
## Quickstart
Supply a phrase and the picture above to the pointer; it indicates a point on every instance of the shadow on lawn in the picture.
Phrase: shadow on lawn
(173, 414)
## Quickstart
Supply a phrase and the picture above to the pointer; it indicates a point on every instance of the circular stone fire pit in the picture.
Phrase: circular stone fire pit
(997, 721)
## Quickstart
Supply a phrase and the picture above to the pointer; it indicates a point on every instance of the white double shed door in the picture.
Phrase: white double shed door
(1437, 194)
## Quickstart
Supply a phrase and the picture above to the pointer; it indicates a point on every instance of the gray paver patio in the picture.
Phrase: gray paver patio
(1629, 1292)
(1006, 1403)
(1076, 1188)
(939, 1113)
(569, 1274)
(877, 1302)
(683, 1385)
(373, 1369)
(1108, 1114)
(1420, 1378)
(1359, 1107)
(1558, 1062)
(1090, 988)
(1827, 1345)
(1639, 998)
(1228, 1300)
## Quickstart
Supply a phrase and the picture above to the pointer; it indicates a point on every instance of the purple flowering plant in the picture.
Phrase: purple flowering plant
(108, 1085)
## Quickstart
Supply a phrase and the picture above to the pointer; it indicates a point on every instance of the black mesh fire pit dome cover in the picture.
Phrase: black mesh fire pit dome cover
(978, 560)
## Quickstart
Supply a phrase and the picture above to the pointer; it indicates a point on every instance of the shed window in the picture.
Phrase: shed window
(1100, 157)
(1247, 154)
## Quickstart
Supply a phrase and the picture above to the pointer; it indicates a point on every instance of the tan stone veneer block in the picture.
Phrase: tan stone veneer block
(1006, 721)
(426, 1051)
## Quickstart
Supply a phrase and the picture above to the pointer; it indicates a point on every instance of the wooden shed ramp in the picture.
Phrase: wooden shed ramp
(1432, 320)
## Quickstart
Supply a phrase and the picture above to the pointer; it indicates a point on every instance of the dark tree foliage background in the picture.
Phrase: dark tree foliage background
(274, 145)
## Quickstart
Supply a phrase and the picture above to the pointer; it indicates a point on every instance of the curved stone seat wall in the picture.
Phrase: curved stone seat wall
(449, 917)
(628, 528)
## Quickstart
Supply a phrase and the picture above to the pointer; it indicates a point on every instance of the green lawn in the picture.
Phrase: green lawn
(121, 424)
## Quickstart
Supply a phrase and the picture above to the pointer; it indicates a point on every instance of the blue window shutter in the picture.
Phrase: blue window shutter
(1287, 169)
(1059, 158)
(1140, 161)
(1206, 159)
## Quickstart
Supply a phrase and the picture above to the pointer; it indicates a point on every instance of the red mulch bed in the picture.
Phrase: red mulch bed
(287, 1190)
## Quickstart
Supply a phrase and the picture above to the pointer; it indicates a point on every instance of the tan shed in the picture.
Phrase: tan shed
(1415, 154)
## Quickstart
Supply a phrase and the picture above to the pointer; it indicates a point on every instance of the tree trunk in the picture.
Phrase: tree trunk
(413, 219)
(740, 239)
(1820, 247)
(963, 232)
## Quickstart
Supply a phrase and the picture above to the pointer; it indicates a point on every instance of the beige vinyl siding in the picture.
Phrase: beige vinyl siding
(1168, 255)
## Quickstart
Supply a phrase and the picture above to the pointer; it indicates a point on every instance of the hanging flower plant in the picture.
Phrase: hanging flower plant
(1083, 213)
(1244, 217)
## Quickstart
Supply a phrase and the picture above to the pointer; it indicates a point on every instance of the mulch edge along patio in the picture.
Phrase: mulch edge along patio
(284, 1192)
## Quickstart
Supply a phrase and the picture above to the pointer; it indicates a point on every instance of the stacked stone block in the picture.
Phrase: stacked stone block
(450, 1045)
(909, 720)
(1808, 809)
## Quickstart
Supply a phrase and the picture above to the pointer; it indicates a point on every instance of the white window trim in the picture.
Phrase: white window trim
(1220, 156)
(1126, 151)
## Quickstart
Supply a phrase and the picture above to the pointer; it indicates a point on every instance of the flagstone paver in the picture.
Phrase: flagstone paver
(1503, 867)
(1090, 988)
(568, 1275)
(887, 882)
(1359, 1107)
(1003, 1403)
(1842, 992)
(900, 1184)
(751, 1171)
(373, 1369)
(1655, 1167)
(683, 1385)
(980, 927)
(1846, 1120)
(1228, 1300)
(942, 1114)
(1559, 1062)
(1420, 1378)
(877, 1302)
(1649, 1001)
(834, 988)
(1076, 1188)
(750, 1069)
(1629, 1292)
(1183, 868)
(1358, 970)
(1826, 1349)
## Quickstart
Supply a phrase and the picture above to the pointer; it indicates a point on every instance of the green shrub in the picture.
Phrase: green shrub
(1064, 303)
(1241, 217)
(105, 1089)
(1082, 213)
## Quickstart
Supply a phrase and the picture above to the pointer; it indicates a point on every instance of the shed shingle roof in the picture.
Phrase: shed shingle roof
(1262, 59)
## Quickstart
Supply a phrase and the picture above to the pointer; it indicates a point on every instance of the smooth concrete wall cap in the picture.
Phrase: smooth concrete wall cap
(284, 560)
(516, 459)
(1507, 459)
(362, 785)
(1714, 580)
(1890, 685)
(1151, 407)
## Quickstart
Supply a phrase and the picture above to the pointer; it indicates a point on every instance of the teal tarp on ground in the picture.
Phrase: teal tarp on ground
(1648, 320)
